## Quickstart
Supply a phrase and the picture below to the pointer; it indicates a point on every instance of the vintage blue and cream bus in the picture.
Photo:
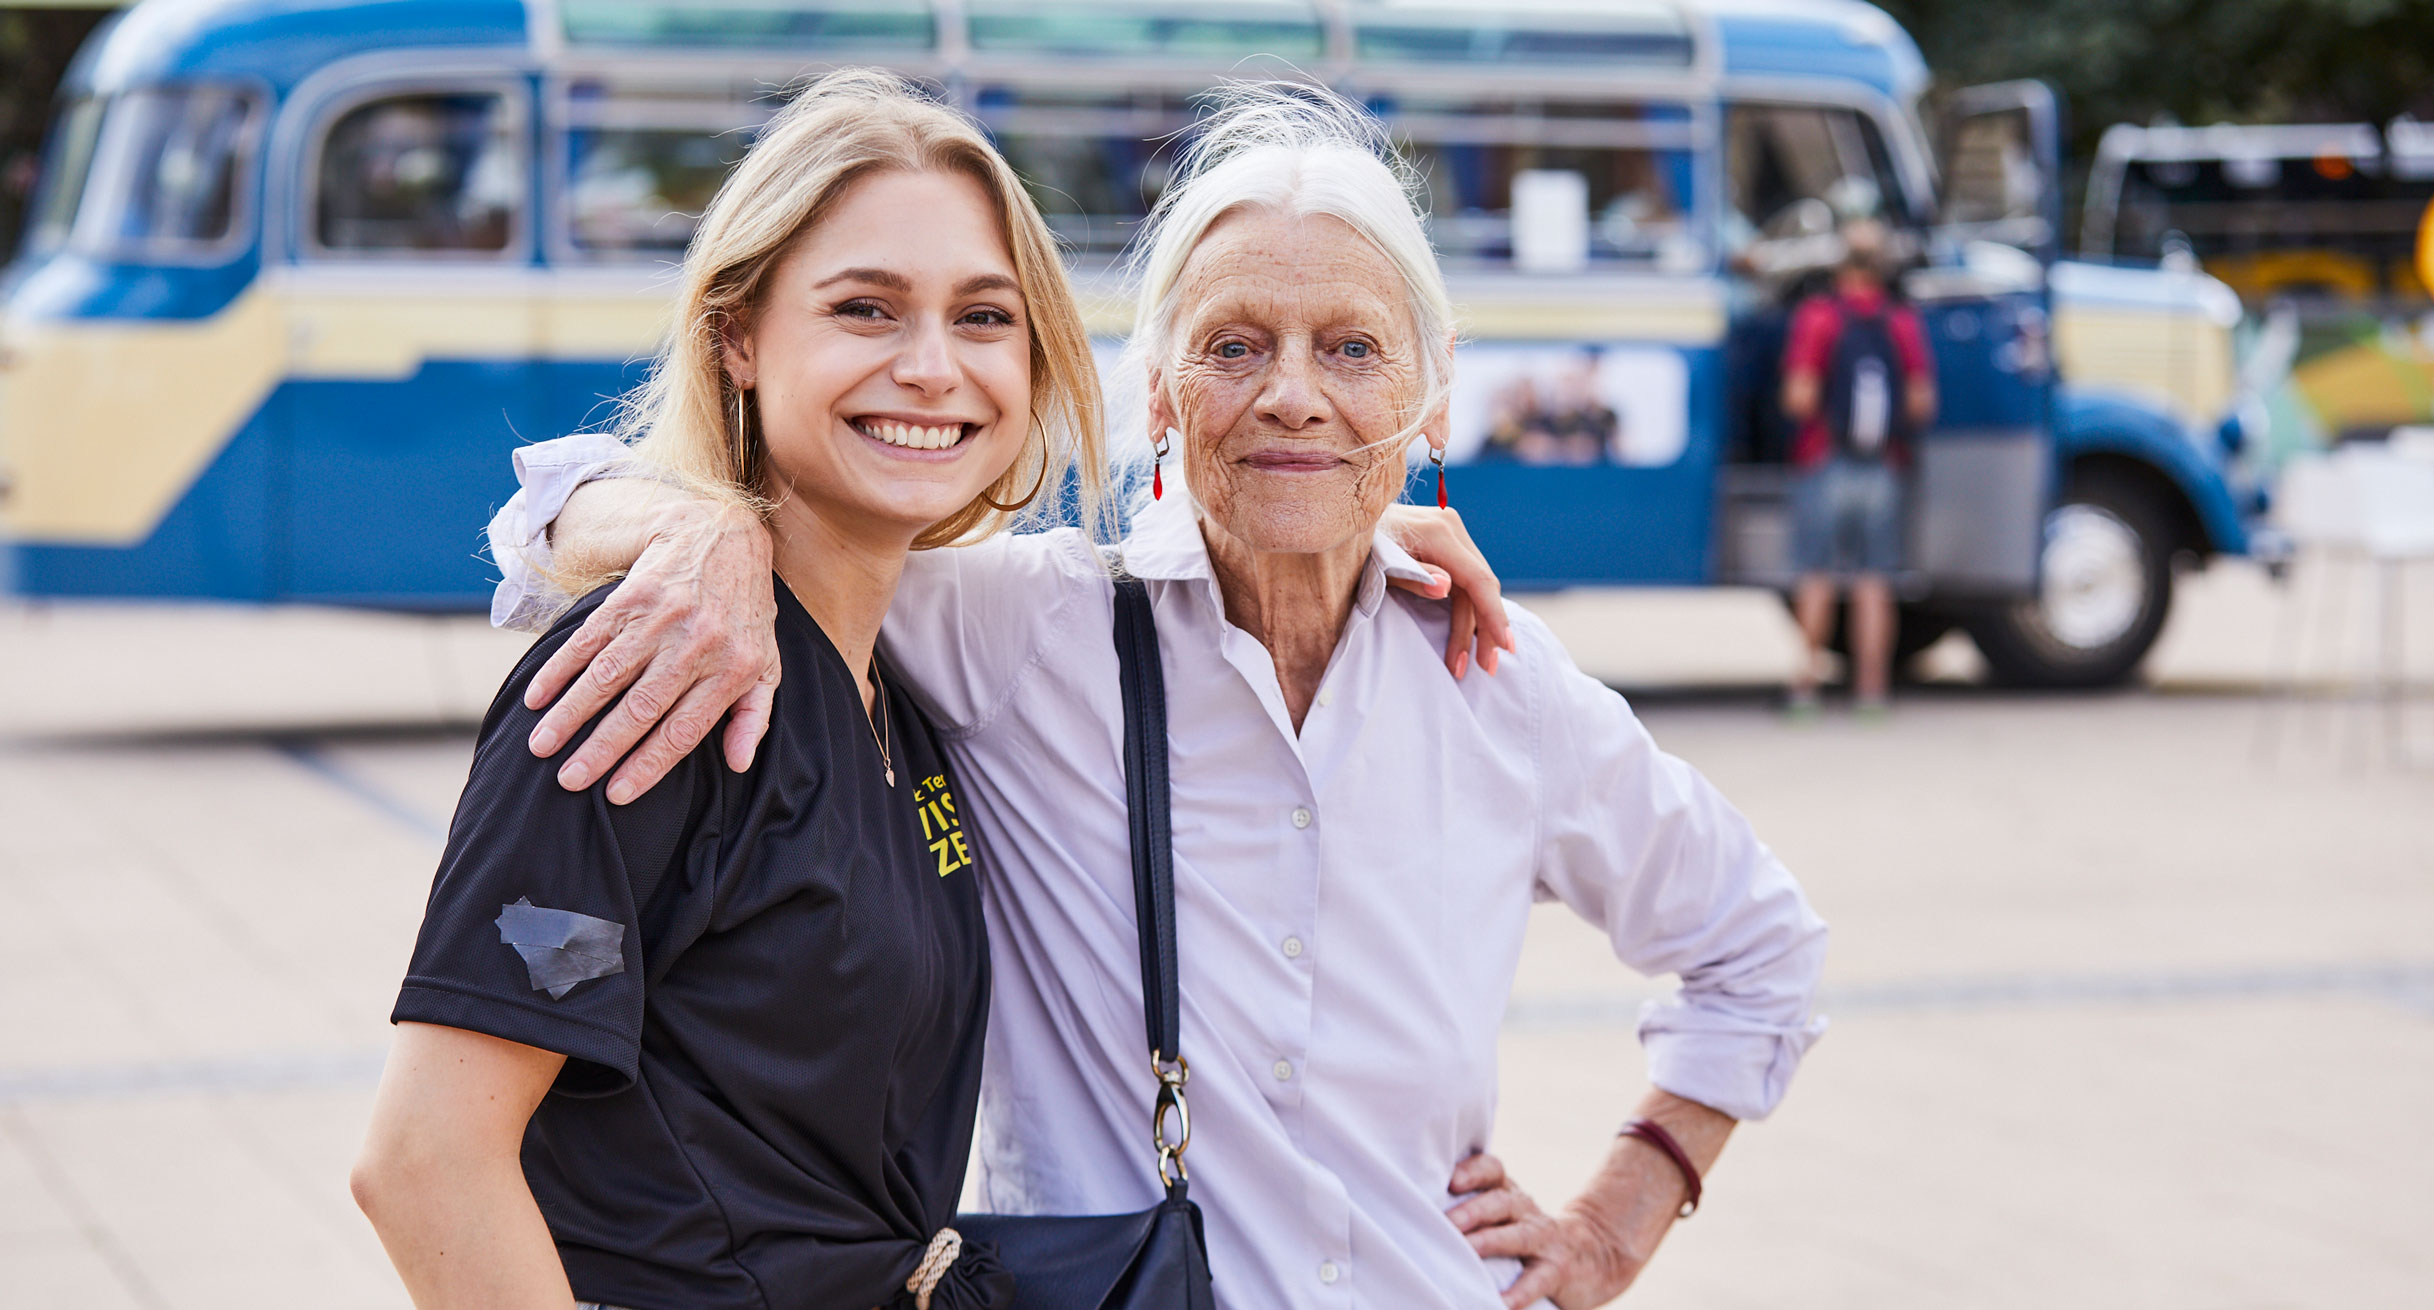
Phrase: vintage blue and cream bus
(301, 273)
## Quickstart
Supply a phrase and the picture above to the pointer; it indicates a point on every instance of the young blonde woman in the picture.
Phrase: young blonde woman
(722, 1047)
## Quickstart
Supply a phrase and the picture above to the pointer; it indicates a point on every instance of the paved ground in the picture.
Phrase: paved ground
(2128, 1010)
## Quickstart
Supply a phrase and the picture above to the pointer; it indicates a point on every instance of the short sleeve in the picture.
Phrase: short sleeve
(546, 902)
(1811, 338)
(969, 621)
(1637, 842)
(1910, 342)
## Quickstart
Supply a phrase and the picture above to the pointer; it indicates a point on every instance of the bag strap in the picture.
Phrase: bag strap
(1147, 797)
(1146, 793)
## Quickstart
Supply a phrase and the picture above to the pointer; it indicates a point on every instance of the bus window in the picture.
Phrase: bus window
(166, 170)
(1638, 32)
(1635, 159)
(2332, 226)
(1776, 157)
(851, 27)
(1095, 163)
(633, 190)
(430, 171)
(1287, 29)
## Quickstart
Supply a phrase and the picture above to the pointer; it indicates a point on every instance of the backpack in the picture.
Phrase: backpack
(1864, 413)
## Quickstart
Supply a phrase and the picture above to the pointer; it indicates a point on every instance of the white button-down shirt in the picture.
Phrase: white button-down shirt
(1351, 900)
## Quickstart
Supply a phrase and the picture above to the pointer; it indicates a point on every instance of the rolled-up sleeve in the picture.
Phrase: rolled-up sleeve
(547, 472)
(1640, 844)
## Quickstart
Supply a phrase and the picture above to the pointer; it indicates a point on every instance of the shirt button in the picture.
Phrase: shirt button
(1328, 1273)
(1293, 948)
(1301, 818)
(1326, 696)
(1284, 1070)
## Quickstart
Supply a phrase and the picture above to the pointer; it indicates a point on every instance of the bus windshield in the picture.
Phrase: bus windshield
(63, 183)
(155, 174)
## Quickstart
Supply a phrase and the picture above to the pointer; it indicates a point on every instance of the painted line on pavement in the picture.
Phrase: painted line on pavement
(2409, 986)
(318, 762)
(279, 1072)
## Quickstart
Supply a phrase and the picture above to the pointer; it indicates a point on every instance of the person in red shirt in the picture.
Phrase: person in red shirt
(1858, 382)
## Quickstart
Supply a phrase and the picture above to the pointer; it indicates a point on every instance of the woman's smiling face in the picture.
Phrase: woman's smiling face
(1294, 367)
(890, 357)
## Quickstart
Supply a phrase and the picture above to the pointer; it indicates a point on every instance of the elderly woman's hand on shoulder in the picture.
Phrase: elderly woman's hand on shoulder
(1437, 538)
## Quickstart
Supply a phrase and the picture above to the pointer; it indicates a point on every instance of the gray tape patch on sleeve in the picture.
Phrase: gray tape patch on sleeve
(560, 947)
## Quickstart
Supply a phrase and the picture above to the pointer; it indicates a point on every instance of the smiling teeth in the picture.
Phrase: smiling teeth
(913, 437)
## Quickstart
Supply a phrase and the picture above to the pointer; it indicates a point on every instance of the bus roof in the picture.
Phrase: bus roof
(277, 41)
(282, 41)
(1837, 39)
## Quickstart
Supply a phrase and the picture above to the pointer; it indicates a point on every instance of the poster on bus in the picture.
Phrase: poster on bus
(1557, 404)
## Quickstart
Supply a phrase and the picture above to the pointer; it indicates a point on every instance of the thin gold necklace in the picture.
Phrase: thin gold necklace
(879, 731)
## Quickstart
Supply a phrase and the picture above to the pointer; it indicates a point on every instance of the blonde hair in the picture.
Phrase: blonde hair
(844, 127)
(1300, 150)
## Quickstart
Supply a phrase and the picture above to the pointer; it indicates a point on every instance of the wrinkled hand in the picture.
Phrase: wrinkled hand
(690, 634)
(1572, 1260)
(1437, 539)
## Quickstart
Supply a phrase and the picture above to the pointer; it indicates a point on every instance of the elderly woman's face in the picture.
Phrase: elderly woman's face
(1295, 363)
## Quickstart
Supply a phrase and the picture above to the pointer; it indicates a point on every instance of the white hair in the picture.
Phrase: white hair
(1299, 150)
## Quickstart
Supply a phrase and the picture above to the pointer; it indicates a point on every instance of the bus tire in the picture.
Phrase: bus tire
(2105, 588)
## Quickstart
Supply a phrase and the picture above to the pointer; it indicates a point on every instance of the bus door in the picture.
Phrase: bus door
(1791, 170)
(1982, 479)
(1985, 471)
(414, 302)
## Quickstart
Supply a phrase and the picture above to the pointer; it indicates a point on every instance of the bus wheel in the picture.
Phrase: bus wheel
(2105, 587)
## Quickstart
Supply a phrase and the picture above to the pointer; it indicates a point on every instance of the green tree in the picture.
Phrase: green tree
(2198, 61)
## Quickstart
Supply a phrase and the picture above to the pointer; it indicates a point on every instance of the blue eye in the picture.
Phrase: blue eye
(1232, 350)
(1357, 349)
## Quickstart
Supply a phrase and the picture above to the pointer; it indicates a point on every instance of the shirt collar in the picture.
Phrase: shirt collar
(1865, 301)
(1165, 542)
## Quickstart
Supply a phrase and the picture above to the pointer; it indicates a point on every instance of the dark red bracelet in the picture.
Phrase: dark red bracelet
(1653, 1133)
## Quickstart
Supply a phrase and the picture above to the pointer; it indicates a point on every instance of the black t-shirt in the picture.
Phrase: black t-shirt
(773, 1037)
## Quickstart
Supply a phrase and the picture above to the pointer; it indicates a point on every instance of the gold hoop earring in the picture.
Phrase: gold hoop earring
(1037, 486)
(743, 442)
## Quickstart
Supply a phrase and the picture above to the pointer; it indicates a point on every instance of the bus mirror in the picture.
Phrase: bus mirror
(2002, 167)
(1550, 221)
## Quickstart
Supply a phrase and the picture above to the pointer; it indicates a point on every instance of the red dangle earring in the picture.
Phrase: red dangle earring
(1157, 471)
(1437, 457)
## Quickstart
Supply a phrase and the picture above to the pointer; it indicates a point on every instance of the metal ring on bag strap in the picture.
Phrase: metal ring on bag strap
(1170, 1096)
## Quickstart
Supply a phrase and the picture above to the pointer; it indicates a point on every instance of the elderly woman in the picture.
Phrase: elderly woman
(1358, 837)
